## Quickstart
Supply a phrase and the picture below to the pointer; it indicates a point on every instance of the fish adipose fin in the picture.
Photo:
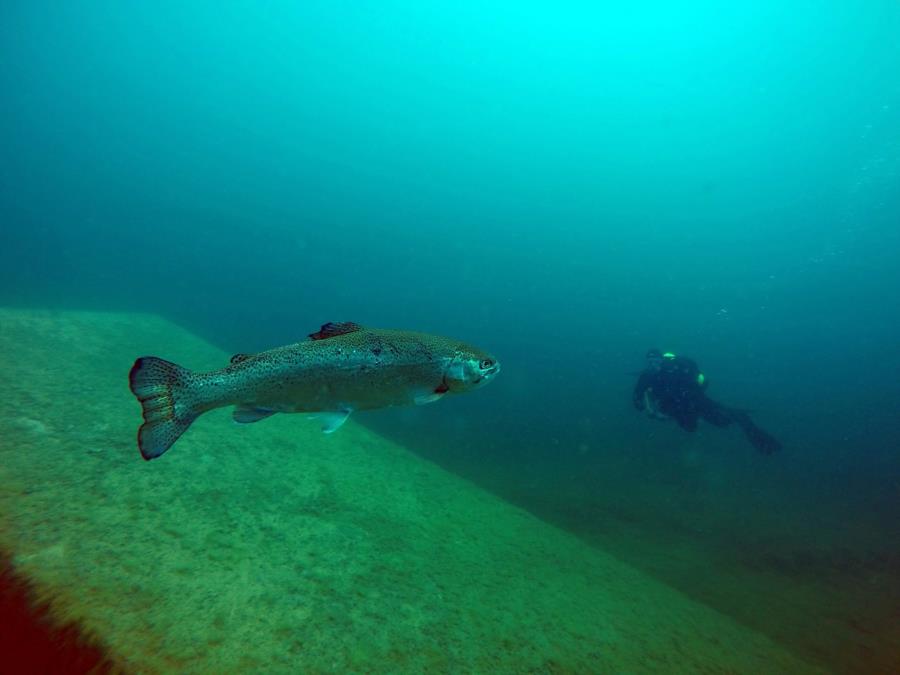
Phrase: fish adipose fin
(245, 414)
(163, 389)
(332, 421)
(329, 330)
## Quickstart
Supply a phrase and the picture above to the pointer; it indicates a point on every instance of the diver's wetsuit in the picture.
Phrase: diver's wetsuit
(676, 389)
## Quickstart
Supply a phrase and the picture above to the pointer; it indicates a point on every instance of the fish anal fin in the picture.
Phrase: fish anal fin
(247, 414)
(329, 330)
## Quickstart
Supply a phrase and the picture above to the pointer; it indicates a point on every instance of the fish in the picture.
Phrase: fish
(342, 367)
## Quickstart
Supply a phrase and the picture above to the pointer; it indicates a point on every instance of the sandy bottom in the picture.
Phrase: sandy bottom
(273, 548)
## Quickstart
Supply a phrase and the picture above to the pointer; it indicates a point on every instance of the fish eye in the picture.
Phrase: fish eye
(486, 363)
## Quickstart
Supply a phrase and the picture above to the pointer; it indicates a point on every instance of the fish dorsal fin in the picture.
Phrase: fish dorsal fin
(329, 330)
(237, 358)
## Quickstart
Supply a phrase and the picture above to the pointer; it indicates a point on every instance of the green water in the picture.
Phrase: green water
(566, 186)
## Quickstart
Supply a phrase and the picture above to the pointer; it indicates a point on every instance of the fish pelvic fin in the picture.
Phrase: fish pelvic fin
(332, 421)
(164, 391)
(247, 414)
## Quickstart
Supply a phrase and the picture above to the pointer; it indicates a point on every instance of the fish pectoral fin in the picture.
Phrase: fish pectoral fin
(332, 421)
(423, 397)
(428, 397)
(247, 414)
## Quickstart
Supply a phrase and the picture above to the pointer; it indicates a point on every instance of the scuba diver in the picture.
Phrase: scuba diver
(673, 386)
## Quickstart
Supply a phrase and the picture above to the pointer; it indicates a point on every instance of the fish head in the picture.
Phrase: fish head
(469, 368)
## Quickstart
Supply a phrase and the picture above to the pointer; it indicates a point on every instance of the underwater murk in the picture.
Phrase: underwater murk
(450, 338)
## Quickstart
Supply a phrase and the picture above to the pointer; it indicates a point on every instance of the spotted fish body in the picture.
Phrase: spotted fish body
(343, 368)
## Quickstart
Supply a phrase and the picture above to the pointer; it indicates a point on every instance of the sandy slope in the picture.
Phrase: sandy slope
(274, 548)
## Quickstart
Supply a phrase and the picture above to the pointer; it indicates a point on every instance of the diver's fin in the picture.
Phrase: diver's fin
(163, 389)
(329, 330)
(237, 358)
(332, 421)
(247, 414)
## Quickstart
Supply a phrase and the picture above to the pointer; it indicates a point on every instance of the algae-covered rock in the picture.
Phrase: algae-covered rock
(274, 548)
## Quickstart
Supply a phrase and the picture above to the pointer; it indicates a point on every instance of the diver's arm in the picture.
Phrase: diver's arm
(643, 384)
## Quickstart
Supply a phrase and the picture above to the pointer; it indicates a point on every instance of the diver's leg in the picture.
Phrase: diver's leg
(714, 413)
(687, 418)
(760, 439)
(722, 416)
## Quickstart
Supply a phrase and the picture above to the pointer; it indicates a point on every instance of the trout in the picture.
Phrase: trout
(342, 367)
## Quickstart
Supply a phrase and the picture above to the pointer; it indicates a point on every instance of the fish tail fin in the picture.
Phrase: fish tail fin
(164, 391)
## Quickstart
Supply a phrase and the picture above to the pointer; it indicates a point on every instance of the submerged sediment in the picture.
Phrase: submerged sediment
(274, 548)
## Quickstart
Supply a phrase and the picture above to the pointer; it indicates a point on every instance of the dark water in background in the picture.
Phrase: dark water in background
(565, 186)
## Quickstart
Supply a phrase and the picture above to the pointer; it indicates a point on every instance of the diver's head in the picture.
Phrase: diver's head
(470, 368)
(654, 359)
